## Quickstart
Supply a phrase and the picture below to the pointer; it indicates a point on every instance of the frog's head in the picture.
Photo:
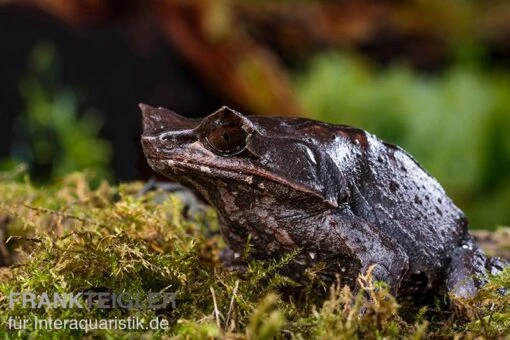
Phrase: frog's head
(228, 154)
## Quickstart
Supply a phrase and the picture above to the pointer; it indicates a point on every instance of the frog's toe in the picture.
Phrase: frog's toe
(496, 265)
(233, 261)
(467, 271)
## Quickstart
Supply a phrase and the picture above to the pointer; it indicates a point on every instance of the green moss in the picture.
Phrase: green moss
(67, 237)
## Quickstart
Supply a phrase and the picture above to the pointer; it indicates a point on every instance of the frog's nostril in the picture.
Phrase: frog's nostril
(148, 146)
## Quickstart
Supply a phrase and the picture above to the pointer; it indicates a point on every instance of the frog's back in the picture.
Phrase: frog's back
(411, 207)
(390, 190)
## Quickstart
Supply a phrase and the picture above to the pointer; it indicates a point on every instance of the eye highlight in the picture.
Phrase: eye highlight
(227, 139)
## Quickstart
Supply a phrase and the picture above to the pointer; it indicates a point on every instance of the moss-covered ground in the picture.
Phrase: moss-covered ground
(67, 237)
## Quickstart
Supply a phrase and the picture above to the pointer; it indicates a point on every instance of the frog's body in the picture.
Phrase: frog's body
(344, 197)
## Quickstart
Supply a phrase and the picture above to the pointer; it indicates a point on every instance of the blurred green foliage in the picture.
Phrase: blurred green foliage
(51, 136)
(455, 124)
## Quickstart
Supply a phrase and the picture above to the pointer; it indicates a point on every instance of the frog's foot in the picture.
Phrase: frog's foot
(468, 270)
(233, 261)
(496, 265)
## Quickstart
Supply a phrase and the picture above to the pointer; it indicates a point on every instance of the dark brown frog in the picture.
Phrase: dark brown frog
(341, 195)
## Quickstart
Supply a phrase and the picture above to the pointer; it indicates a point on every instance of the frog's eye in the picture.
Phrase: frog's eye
(227, 139)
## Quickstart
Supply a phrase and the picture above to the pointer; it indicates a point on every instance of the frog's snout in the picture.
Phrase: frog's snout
(160, 120)
(164, 130)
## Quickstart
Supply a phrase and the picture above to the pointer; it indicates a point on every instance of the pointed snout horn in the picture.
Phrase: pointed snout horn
(158, 120)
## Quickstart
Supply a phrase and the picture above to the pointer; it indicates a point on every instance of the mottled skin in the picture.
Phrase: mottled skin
(346, 198)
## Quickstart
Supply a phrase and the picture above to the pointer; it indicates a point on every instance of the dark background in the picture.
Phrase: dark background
(114, 73)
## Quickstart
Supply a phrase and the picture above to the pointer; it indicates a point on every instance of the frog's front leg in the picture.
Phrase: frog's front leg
(468, 269)
(364, 241)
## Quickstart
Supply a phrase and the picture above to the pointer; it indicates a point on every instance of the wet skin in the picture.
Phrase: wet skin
(345, 198)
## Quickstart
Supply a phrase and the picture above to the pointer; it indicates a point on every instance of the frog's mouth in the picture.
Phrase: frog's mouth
(239, 172)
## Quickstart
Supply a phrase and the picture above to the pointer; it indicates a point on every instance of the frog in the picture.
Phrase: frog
(339, 197)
